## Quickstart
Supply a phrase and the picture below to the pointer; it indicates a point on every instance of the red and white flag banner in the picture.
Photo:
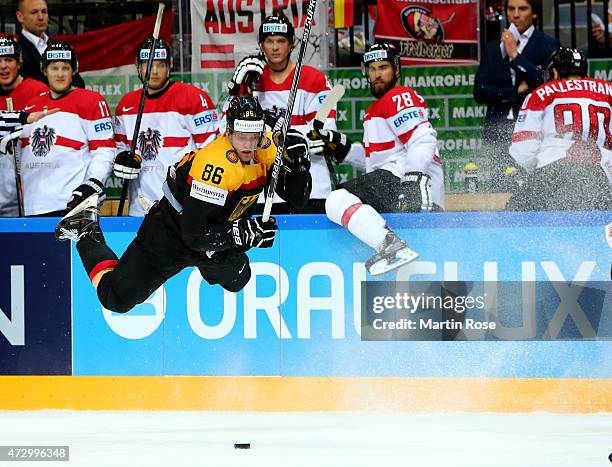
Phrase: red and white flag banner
(116, 45)
(430, 32)
(225, 31)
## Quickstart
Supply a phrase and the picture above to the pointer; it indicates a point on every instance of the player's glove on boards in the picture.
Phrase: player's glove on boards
(253, 233)
(127, 165)
(84, 191)
(415, 193)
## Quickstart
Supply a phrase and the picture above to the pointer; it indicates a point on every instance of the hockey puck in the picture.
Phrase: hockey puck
(242, 445)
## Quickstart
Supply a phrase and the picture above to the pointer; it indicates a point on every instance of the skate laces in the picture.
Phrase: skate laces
(81, 223)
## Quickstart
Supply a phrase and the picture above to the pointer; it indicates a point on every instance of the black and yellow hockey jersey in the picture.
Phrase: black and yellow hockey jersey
(210, 188)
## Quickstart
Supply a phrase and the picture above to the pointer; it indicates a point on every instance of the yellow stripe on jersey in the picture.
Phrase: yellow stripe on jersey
(186, 158)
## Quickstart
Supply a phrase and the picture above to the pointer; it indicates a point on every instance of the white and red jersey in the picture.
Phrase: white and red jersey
(63, 150)
(313, 87)
(557, 115)
(22, 93)
(398, 137)
(175, 121)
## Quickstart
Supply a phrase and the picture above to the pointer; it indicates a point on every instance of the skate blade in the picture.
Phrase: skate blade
(402, 257)
(91, 201)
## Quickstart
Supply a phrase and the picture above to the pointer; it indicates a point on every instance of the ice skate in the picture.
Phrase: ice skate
(80, 221)
(393, 254)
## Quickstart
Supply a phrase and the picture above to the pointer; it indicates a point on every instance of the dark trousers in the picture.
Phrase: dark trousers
(154, 256)
(380, 189)
(564, 186)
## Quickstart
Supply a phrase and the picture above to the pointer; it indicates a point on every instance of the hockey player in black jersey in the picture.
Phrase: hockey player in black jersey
(204, 218)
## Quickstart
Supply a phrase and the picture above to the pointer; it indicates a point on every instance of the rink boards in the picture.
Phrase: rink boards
(192, 346)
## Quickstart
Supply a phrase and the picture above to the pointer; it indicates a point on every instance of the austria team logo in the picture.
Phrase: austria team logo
(149, 143)
(42, 140)
(421, 25)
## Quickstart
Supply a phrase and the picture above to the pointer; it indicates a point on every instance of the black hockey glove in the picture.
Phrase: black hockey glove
(253, 233)
(415, 193)
(84, 191)
(127, 165)
(274, 118)
(334, 143)
(316, 146)
(296, 157)
(249, 69)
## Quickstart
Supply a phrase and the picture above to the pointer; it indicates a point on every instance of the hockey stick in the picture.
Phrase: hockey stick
(292, 93)
(253, 84)
(9, 107)
(6, 139)
(255, 87)
(145, 87)
(328, 104)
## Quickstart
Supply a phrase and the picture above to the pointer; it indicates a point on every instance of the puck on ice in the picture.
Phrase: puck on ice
(242, 445)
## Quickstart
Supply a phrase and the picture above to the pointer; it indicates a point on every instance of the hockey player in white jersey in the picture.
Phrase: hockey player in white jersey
(402, 162)
(17, 91)
(177, 118)
(563, 137)
(67, 156)
(270, 76)
(11, 128)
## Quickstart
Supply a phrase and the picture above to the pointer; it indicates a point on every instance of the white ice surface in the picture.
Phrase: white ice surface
(314, 439)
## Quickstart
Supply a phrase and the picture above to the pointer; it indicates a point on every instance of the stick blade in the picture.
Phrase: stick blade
(330, 102)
